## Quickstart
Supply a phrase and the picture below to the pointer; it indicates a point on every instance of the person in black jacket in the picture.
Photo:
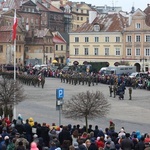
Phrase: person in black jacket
(64, 135)
(127, 143)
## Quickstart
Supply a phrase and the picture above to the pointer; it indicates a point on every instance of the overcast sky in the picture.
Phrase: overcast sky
(125, 4)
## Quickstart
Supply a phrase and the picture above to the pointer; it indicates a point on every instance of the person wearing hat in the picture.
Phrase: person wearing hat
(76, 146)
(5, 143)
(34, 146)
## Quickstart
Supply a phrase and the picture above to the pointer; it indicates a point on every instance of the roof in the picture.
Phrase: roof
(12, 4)
(5, 28)
(58, 39)
(108, 23)
(52, 8)
(41, 33)
(147, 12)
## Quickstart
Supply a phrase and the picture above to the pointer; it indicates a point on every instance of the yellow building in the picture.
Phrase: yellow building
(99, 40)
(80, 13)
(137, 40)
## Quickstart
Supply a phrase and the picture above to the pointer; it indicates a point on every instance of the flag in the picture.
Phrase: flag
(14, 27)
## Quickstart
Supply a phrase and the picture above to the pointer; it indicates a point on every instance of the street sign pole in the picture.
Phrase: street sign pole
(59, 101)
(60, 116)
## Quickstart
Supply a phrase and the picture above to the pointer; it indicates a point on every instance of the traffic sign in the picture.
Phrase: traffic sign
(60, 93)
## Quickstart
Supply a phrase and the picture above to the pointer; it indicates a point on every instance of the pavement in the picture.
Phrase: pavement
(40, 104)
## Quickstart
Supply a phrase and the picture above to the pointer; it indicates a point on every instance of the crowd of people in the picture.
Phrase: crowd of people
(31, 135)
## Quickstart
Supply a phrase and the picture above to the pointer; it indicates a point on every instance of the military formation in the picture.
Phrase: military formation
(27, 79)
(75, 78)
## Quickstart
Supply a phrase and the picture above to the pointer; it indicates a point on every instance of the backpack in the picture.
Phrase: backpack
(11, 146)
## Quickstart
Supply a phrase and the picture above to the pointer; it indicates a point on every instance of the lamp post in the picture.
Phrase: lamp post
(143, 60)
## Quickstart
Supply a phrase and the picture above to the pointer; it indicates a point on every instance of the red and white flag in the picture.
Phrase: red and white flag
(14, 27)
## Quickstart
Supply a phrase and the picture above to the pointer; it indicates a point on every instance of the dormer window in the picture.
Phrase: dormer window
(138, 26)
(96, 27)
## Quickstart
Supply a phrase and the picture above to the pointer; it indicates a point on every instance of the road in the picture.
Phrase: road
(40, 104)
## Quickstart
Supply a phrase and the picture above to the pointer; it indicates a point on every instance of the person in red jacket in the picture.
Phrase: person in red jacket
(100, 142)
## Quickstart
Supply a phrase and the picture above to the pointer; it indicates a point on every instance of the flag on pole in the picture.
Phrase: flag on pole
(14, 27)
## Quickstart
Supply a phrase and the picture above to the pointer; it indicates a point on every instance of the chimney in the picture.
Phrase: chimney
(27, 25)
(147, 5)
(130, 19)
(92, 16)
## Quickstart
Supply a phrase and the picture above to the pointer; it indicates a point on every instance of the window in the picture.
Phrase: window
(138, 38)
(128, 52)
(106, 39)
(61, 47)
(76, 51)
(96, 39)
(138, 26)
(106, 51)
(56, 47)
(147, 38)
(20, 48)
(137, 51)
(77, 18)
(86, 39)
(22, 19)
(117, 51)
(86, 51)
(147, 52)
(81, 18)
(128, 38)
(118, 39)
(95, 51)
(1, 48)
(51, 50)
(26, 49)
(46, 49)
(96, 27)
(76, 39)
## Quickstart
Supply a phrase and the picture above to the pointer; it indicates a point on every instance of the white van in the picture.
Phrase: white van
(138, 74)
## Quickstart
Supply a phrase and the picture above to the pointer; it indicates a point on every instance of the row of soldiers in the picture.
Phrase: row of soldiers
(75, 78)
(35, 80)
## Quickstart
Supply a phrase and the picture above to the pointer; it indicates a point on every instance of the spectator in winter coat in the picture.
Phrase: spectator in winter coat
(64, 135)
(127, 143)
(100, 142)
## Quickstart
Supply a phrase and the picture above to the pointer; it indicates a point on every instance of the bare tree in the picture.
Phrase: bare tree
(86, 105)
(9, 88)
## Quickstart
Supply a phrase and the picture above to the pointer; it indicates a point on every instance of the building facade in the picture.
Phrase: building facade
(137, 41)
(99, 40)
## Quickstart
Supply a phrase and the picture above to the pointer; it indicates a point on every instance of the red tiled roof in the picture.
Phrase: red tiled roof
(42, 7)
(107, 22)
(5, 36)
(52, 8)
(58, 39)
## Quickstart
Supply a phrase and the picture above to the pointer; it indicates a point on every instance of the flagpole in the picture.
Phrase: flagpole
(14, 79)
(14, 38)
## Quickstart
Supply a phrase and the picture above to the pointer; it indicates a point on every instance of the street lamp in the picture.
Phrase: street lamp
(143, 60)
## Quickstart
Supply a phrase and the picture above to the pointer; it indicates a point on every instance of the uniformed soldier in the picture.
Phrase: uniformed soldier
(42, 82)
(130, 93)
(110, 90)
(114, 90)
